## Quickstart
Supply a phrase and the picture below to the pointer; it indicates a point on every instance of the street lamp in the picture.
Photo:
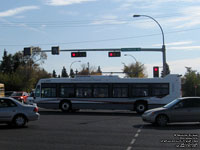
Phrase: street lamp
(73, 63)
(131, 56)
(163, 45)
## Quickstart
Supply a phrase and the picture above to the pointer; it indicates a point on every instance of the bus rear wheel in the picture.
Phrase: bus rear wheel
(65, 106)
(140, 107)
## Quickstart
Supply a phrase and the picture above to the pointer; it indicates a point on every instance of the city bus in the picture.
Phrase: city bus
(107, 92)
(2, 90)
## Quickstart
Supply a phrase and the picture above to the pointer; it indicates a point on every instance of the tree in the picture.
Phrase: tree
(6, 63)
(64, 72)
(89, 70)
(135, 70)
(99, 72)
(167, 70)
(72, 74)
(21, 73)
(54, 75)
(191, 83)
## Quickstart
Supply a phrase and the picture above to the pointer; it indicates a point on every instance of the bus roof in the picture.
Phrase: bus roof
(107, 79)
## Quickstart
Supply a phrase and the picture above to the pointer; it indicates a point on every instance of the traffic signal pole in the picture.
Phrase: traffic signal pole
(110, 50)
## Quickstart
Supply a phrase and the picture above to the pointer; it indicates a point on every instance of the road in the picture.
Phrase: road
(96, 130)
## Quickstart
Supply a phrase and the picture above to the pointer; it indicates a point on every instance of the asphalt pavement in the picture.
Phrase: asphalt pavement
(97, 130)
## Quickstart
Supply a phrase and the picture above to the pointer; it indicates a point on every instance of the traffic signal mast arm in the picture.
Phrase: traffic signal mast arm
(111, 49)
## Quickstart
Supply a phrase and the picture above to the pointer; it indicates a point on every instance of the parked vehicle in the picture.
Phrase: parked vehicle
(8, 93)
(20, 96)
(16, 113)
(185, 109)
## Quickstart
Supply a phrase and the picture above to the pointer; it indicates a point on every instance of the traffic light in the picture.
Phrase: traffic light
(155, 71)
(55, 50)
(78, 54)
(114, 54)
(27, 51)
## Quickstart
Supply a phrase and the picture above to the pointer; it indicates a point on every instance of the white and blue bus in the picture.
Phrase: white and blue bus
(107, 92)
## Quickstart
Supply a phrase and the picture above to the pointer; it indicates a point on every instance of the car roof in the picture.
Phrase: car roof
(10, 98)
(195, 97)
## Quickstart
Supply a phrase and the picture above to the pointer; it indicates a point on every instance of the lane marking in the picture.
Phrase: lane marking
(133, 141)
(129, 148)
(136, 135)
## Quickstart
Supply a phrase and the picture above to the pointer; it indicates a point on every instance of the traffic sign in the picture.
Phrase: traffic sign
(130, 49)
(55, 50)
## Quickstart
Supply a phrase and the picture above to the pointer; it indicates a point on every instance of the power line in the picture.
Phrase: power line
(111, 39)
(79, 23)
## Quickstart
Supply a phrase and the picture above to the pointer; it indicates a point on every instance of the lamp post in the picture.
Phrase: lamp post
(163, 42)
(73, 63)
(131, 56)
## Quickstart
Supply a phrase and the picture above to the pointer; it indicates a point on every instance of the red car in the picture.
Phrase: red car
(20, 96)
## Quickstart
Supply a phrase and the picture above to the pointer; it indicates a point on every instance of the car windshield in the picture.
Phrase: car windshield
(172, 103)
(17, 94)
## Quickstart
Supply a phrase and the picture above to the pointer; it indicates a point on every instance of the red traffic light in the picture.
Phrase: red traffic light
(114, 54)
(78, 54)
(156, 71)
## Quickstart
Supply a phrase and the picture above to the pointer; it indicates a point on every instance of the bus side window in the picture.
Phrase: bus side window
(100, 91)
(140, 90)
(83, 90)
(120, 90)
(160, 89)
(66, 90)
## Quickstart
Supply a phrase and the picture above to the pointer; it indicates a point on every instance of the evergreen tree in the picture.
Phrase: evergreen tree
(6, 65)
(99, 72)
(64, 72)
(54, 75)
(167, 70)
(72, 74)
(191, 83)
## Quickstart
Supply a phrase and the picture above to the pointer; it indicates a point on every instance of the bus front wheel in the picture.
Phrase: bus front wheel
(65, 106)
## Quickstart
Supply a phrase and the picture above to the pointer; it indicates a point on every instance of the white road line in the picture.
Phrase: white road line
(136, 135)
(134, 139)
(129, 148)
(132, 142)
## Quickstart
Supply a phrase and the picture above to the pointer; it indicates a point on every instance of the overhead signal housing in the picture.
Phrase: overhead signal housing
(78, 54)
(55, 50)
(114, 54)
(28, 51)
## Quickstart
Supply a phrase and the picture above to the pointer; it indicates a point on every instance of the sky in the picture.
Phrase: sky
(104, 24)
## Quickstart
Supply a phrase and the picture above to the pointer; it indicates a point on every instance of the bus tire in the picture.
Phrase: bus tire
(65, 106)
(140, 107)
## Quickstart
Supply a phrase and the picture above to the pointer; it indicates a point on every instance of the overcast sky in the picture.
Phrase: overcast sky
(82, 24)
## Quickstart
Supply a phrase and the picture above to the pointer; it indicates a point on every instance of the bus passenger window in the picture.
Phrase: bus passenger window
(140, 90)
(120, 90)
(66, 90)
(100, 90)
(160, 89)
(83, 90)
